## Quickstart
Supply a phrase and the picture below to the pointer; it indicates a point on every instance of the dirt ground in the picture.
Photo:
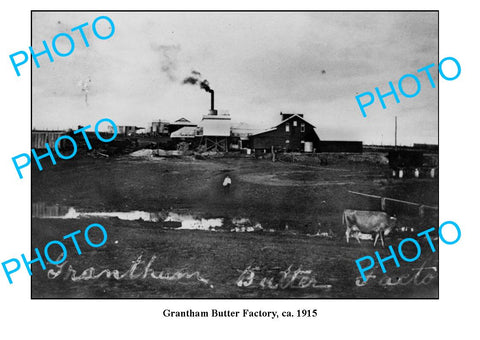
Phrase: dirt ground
(291, 201)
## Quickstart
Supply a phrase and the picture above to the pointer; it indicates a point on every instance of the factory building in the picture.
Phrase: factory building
(293, 133)
(214, 130)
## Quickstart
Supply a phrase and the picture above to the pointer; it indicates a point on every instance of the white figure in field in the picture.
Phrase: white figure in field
(417, 173)
(227, 182)
(432, 173)
(400, 173)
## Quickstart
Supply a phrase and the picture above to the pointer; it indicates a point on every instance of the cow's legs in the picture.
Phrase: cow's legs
(347, 234)
(357, 236)
(381, 239)
(376, 239)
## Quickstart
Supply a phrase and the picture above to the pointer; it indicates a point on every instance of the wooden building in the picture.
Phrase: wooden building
(41, 137)
(293, 133)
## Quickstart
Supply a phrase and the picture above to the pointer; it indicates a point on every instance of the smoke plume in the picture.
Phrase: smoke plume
(195, 78)
(168, 59)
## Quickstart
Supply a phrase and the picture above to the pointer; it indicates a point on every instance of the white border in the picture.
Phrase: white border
(451, 316)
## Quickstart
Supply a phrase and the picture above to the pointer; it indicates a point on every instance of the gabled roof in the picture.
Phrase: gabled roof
(283, 121)
(259, 133)
(295, 115)
(183, 121)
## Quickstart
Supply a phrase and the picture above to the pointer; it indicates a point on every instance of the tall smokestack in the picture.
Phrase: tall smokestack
(212, 100)
(195, 78)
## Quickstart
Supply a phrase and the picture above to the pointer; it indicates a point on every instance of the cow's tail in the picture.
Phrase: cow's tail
(344, 219)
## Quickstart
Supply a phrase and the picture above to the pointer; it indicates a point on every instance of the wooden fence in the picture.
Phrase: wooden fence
(383, 202)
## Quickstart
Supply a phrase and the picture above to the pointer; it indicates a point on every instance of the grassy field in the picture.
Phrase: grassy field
(154, 260)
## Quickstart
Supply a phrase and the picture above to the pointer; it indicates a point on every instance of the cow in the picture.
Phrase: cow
(368, 222)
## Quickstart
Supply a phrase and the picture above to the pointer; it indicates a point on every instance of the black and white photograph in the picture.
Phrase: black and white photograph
(235, 154)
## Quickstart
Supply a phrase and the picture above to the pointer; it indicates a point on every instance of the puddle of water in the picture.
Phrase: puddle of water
(127, 216)
(187, 221)
(41, 210)
(190, 222)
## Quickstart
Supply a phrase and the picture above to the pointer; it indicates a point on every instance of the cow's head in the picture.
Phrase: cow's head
(392, 224)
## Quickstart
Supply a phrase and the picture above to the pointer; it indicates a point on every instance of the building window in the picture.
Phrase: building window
(287, 128)
(294, 123)
(302, 127)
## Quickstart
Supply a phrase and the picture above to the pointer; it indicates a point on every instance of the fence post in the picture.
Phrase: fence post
(421, 210)
(383, 204)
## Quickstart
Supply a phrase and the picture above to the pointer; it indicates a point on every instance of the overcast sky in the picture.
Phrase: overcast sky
(258, 64)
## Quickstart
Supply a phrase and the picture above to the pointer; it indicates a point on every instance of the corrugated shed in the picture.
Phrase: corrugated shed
(185, 132)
